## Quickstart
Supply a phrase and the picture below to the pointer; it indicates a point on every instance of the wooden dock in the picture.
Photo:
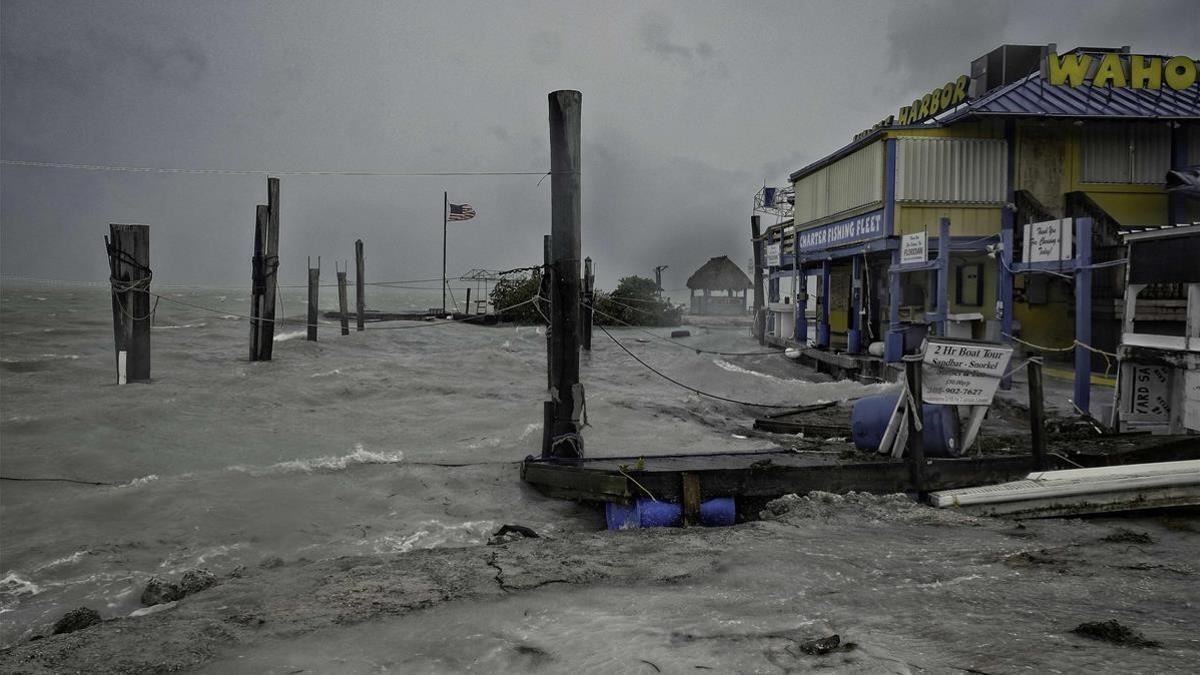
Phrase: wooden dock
(773, 473)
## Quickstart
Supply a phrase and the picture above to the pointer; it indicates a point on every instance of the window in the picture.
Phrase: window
(1126, 153)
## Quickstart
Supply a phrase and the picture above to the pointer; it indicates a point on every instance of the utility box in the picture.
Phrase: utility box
(1158, 379)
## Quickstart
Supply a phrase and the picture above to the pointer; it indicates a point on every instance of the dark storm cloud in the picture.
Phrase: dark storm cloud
(925, 36)
(655, 33)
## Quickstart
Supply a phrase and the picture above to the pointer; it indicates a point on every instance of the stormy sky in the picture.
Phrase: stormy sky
(688, 108)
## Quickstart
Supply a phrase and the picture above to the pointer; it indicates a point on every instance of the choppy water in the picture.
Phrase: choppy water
(333, 448)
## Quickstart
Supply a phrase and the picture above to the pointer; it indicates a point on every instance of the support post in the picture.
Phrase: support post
(760, 317)
(916, 445)
(566, 390)
(801, 305)
(467, 307)
(314, 287)
(128, 249)
(854, 334)
(547, 282)
(589, 296)
(691, 499)
(894, 342)
(445, 216)
(1037, 423)
(360, 297)
(823, 316)
(258, 284)
(943, 276)
(343, 305)
(1083, 314)
(1008, 217)
(266, 340)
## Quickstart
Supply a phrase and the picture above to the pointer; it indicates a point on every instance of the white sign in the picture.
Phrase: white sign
(962, 372)
(1048, 241)
(774, 252)
(914, 248)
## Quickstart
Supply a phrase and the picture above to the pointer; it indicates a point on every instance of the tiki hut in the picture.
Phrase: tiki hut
(719, 274)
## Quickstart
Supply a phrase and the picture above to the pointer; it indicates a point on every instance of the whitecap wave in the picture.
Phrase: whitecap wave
(733, 368)
(435, 534)
(325, 463)
(290, 335)
(138, 482)
(184, 325)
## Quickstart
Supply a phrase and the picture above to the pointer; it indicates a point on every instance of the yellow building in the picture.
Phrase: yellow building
(1028, 138)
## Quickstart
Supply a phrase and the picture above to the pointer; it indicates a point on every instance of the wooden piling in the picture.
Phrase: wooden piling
(566, 390)
(467, 308)
(1037, 416)
(128, 248)
(314, 287)
(589, 297)
(760, 317)
(544, 291)
(266, 333)
(691, 499)
(360, 300)
(916, 446)
(342, 304)
(258, 283)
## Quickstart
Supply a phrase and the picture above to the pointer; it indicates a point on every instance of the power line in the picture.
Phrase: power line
(690, 388)
(260, 172)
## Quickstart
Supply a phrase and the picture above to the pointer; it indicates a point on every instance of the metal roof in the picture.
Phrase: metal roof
(1031, 96)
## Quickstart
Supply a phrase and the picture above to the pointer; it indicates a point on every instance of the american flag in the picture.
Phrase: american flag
(461, 212)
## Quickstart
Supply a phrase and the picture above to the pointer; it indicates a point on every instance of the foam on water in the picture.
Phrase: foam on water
(325, 463)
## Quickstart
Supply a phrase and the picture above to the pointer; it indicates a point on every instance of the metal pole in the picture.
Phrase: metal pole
(566, 392)
(760, 318)
(445, 208)
(1083, 314)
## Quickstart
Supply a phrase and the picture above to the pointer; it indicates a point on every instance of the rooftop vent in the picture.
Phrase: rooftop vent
(1003, 65)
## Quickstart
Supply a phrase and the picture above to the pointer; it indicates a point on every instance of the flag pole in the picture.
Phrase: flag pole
(445, 208)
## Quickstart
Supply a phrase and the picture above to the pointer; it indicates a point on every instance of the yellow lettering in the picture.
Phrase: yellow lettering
(1143, 74)
(1110, 72)
(1180, 73)
(947, 96)
(924, 112)
(904, 115)
(1068, 70)
(960, 89)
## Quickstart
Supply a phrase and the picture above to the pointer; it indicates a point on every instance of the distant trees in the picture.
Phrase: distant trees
(634, 302)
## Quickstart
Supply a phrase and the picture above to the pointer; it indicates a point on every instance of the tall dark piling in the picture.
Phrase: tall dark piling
(589, 296)
(760, 317)
(266, 339)
(343, 306)
(566, 391)
(360, 298)
(258, 281)
(1037, 415)
(916, 446)
(314, 288)
(128, 248)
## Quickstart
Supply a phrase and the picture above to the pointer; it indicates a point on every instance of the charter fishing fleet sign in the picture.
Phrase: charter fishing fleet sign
(962, 372)
(848, 231)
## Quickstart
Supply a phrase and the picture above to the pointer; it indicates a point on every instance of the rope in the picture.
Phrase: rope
(120, 287)
(55, 480)
(687, 386)
(681, 344)
(1073, 345)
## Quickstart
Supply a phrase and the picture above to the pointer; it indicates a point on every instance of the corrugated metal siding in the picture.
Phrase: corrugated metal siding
(964, 170)
(1151, 146)
(853, 181)
(1126, 153)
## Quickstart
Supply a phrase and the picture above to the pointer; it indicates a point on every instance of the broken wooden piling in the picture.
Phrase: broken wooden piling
(342, 304)
(270, 273)
(360, 300)
(128, 248)
(314, 287)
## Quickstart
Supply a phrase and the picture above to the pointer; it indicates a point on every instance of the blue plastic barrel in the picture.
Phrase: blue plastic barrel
(869, 420)
(645, 512)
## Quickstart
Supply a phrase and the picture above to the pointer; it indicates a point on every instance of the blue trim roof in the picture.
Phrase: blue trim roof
(1031, 96)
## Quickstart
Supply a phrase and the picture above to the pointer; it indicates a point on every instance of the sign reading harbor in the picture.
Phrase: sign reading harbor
(849, 231)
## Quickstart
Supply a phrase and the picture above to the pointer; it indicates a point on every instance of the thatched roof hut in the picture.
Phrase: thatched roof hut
(719, 274)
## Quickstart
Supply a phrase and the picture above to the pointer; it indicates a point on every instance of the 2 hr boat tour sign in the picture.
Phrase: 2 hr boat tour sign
(849, 231)
(962, 372)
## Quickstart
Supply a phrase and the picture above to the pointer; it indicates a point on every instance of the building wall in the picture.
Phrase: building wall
(964, 220)
(851, 184)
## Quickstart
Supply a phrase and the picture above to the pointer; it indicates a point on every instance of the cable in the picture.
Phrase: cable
(681, 344)
(264, 172)
(690, 388)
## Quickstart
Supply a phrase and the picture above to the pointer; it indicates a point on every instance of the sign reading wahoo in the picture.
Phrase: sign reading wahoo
(1117, 70)
(851, 230)
(460, 212)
